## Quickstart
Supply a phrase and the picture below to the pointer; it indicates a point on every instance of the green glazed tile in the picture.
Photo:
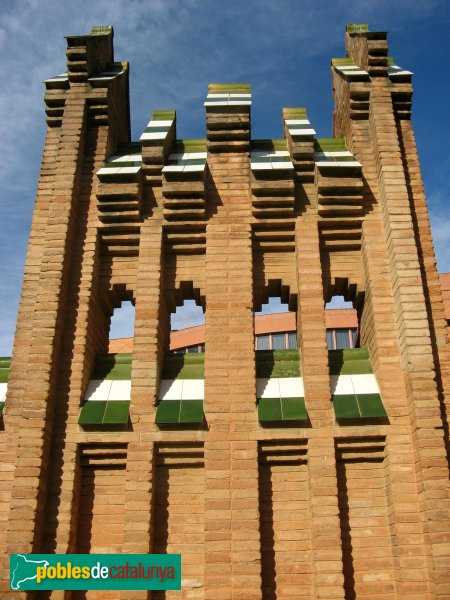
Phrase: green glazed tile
(190, 145)
(2, 406)
(4, 374)
(295, 113)
(329, 144)
(346, 407)
(278, 363)
(113, 366)
(168, 411)
(163, 115)
(338, 62)
(190, 162)
(116, 412)
(191, 411)
(92, 413)
(293, 409)
(158, 129)
(230, 88)
(184, 366)
(269, 409)
(353, 361)
(357, 27)
(370, 405)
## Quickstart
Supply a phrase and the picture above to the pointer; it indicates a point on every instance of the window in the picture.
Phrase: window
(342, 339)
(292, 340)
(263, 342)
(330, 339)
(279, 341)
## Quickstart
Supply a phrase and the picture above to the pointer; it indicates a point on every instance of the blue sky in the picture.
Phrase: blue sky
(176, 47)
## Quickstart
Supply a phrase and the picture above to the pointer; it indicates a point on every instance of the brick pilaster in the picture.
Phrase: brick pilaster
(34, 440)
(311, 319)
(147, 360)
(18, 376)
(415, 347)
(325, 525)
(232, 548)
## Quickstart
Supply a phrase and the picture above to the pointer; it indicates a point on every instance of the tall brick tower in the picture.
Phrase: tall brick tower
(302, 473)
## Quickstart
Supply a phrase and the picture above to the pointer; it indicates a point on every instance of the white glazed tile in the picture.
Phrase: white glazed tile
(170, 389)
(282, 165)
(98, 389)
(193, 168)
(365, 384)
(268, 387)
(129, 170)
(341, 385)
(157, 135)
(120, 390)
(261, 166)
(302, 131)
(159, 123)
(193, 389)
(291, 387)
(173, 169)
(108, 171)
(297, 122)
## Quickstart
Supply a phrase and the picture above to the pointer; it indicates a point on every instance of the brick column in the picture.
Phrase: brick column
(325, 527)
(379, 334)
(311, 319)
(29, 489)
(18, 376)
(232, 548)
(410, 309)
(78, 353)
(432, 287)
(147, 348)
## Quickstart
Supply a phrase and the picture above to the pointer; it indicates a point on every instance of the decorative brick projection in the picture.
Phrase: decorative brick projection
(101, 512)
(364, 516)
(179, 519)
(286, 547)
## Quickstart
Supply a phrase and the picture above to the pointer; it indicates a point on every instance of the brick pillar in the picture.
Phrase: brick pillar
(379, 334)
(18, 377)
(410, 308)
(325, 527)
(144, 380)
(78, 354)
(432, 287)
(29, 489)
(311, 320)
(325, 524)
(232, 548)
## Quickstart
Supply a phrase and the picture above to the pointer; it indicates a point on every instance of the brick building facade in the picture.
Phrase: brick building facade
(289, 474)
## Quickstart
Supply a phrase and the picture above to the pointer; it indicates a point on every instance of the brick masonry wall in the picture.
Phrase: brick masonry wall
(327, 511)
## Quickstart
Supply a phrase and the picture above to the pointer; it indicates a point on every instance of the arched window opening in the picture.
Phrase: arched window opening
(122, 322)
(342, 324)
(187, 332)
(275, 326)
